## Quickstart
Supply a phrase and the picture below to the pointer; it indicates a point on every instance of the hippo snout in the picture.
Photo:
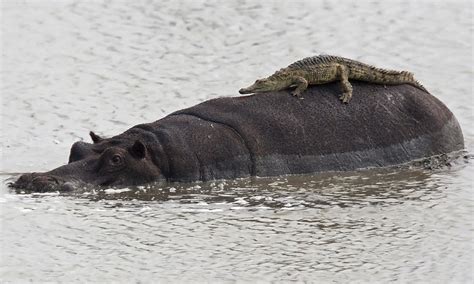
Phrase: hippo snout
(40, 183)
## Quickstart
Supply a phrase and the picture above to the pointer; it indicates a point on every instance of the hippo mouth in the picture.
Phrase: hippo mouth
(38, 182)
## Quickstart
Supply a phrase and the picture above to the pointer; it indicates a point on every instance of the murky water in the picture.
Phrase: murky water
(73, 67)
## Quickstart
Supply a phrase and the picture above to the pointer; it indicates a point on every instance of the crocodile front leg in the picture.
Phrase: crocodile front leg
(301, 85)
(343, 73)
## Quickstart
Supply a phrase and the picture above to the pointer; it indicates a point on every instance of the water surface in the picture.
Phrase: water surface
(69, 68)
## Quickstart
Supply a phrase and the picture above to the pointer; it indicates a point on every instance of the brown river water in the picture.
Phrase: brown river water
(70, 67)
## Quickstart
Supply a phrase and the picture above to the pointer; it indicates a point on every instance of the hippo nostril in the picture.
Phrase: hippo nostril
(24, 180)
(18, 183)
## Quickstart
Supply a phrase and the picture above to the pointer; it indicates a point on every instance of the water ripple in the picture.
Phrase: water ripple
(71, 67)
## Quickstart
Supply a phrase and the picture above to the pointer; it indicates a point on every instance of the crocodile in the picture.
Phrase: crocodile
(324, 69)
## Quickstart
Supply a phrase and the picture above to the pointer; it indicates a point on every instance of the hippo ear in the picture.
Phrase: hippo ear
(95, 138)
(138, 150)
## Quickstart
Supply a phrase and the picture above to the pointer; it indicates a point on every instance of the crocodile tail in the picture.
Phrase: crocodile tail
(391, 77)
(409, 78)
(420, 86)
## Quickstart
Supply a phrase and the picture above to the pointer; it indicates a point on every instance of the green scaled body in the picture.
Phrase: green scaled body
(324, 69)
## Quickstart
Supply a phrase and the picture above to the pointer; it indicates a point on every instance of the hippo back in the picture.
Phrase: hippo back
(381, 126)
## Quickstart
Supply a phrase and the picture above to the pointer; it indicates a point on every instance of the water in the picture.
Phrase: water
(73, 67)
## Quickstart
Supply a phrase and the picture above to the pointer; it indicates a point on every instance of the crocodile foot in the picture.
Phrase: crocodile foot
(296, 94)
(345, 97)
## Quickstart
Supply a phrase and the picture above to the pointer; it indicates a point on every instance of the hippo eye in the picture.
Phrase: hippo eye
(116, 160)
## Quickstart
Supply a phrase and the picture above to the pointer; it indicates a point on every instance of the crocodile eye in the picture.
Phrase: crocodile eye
(116, 160)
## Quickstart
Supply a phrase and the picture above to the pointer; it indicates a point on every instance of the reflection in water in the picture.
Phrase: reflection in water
(371, 225)
(72, 67)
(374, 187)
(365, 187)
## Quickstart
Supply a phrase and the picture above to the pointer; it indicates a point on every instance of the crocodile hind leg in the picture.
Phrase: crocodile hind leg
(343, 73)
(301, 85)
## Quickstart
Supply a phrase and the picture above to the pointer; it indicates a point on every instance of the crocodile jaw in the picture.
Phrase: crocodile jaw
(246, 91)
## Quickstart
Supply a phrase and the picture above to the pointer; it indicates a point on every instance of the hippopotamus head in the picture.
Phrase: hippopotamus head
(105, 163)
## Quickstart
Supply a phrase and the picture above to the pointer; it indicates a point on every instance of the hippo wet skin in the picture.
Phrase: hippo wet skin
(267, 134)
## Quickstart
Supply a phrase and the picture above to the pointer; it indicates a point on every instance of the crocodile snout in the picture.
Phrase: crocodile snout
(244, 91)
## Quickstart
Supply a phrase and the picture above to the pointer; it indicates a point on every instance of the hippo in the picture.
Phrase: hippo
(268, 134)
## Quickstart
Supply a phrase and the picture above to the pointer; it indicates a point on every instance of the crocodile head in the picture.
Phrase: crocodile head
(265, 85)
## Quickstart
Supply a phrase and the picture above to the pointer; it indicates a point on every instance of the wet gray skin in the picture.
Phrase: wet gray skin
(114, 165)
